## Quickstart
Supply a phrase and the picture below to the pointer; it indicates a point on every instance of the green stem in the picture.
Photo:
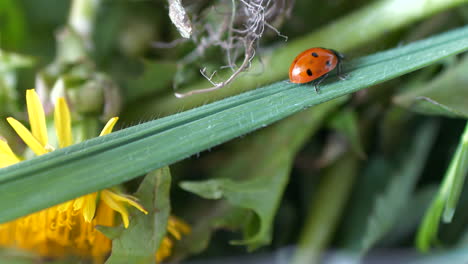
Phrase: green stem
(325, 209)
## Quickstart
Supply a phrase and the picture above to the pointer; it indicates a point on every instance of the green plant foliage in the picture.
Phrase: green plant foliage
(445, 202)
(128, 153)
(9, 63)
(245, 184)
(325, 209)
(359, 28)
(384, 191)
(156, 77)
(413, 211)
(372, 181)
(389, 206)
(446, 95)
(350, 172)
(245, 195)
(13, 27)
(139, 242)
(346, 122)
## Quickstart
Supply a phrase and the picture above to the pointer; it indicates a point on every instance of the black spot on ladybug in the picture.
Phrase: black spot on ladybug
(314, 54)
(309, 72)
(328, 63)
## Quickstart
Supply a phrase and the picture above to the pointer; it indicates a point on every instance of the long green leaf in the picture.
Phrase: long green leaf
(378, 19)
(444, 204)
(445, 95)
(325, 210)
(388, 207)
(102, 162)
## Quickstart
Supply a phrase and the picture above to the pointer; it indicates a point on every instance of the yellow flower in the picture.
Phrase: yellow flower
(68, 228)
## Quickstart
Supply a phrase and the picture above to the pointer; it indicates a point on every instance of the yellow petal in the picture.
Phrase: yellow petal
(63, 207)
(62, 122)
(164, 250)
(107, 197)
(27, 137)
(6, 160)
(36, 117)
(109, 126)
(7, 153)
(173, 231)
(127, 199)
(78, 203)
(89, 207)
(179, 225)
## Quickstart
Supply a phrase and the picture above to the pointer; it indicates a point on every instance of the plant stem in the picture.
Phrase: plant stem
(325, 209)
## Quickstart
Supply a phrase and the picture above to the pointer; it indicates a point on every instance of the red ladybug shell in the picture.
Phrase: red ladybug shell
(311, 64)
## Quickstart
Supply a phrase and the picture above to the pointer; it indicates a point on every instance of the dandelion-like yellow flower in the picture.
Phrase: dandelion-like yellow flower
(68, 228)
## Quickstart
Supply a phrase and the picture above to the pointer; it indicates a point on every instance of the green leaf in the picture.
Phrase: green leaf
(274, 148)
(428, 229)
(446, 95)
(140, 241)
(413, 211)
(325, 209)
(388, 207)
(209, 217)
(445, 202)
(112, 159)
(347, 123)
(456, 175)
(372, 180)
(246, 194)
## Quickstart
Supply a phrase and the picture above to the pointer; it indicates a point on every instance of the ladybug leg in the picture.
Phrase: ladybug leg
(318, 81)
(340, 57)
(340, 73)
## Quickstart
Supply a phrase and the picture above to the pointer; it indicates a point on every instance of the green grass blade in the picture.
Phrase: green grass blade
(378, 18)
(325, 209)
(388, 206)
(457, 173)
(445, 95)
(383, 192)
(444, 204)
(99, 163)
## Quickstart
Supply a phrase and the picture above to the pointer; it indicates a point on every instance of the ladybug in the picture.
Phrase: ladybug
(314, 65)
